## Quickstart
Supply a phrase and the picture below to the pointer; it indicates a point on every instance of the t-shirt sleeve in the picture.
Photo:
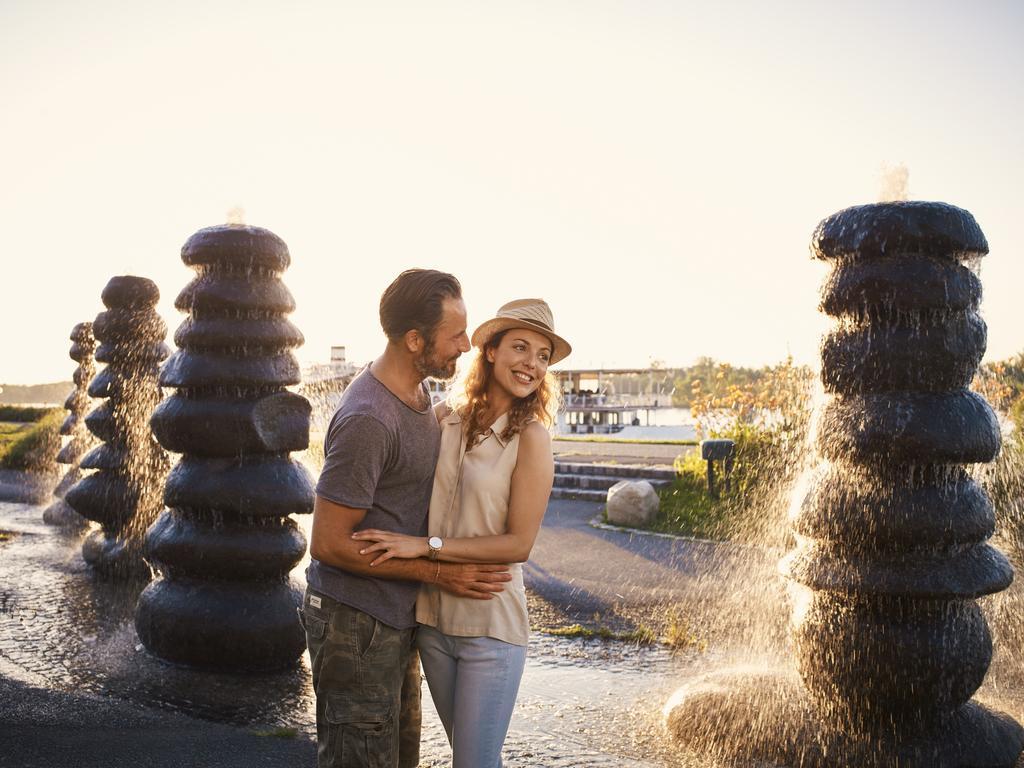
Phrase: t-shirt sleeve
(356, 452)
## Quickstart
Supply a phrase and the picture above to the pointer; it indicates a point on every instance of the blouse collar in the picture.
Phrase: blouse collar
(496, 429)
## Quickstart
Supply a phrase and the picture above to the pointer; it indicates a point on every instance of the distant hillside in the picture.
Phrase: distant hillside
(55, 393)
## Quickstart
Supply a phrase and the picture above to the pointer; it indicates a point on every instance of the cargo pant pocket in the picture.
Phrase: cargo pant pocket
(315, 629)
(362, 730)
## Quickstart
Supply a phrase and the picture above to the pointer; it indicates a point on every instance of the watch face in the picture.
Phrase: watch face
(434, 542)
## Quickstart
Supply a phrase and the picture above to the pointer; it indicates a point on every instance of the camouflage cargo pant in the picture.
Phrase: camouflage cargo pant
(366, 676)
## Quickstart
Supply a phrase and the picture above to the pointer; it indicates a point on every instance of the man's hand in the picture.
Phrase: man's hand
(391, 545)
(478, 581)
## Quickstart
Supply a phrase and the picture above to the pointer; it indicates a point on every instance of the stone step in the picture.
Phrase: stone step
(621, 471)
(579, 494)
(601, 482)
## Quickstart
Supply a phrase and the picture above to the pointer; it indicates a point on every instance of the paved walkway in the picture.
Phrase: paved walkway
(631, 580)
(42, 727)
(53, 713)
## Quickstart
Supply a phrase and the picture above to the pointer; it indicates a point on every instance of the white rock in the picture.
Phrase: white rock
(632, 503)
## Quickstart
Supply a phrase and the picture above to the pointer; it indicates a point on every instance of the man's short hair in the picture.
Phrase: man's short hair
(413, 302)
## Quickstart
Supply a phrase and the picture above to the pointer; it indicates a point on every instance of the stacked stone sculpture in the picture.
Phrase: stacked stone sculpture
(894, 533)
(225, 544)
(123, 494)
(892, 550)
(79, 439)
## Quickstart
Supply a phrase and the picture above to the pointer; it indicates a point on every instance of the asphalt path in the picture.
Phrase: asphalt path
(578, 569)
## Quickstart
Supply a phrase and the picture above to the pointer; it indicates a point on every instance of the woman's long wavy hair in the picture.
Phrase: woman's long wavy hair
(470, 401)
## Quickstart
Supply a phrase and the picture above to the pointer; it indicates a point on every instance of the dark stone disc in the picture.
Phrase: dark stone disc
(229, 548)
(189, 369)
(132, 350)
(261, 486)
(866, 513)
(899, 284)
(224, 295)
(61, 515)
(130, 291)
(222, 625)
(103, 497)
(101, 421)
(909, 428)
(232, 427)
(114, 558)
(82, 334)
(269, 334)
(894, 664)
(133, 325)
(238, 245)
(80, 352)
(936, 357)
(919, 573)
(756, 715)
(882, 229)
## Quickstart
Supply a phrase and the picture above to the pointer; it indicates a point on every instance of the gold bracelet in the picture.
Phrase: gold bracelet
(437, 573)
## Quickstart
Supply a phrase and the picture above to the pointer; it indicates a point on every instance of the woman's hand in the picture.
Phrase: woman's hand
(391, 544)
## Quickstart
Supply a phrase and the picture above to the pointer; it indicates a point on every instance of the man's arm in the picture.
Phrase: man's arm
(332, 544)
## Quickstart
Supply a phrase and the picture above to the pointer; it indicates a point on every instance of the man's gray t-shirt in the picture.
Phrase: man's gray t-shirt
(380, 456)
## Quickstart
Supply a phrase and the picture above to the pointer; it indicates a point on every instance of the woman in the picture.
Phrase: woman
(491, 488)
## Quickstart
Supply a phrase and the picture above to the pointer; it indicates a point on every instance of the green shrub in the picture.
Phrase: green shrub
(767, 419)
(36, 447)
(1016, 415)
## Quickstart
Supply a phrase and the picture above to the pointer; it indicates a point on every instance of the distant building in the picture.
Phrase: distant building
(593, 404)
(323, 385)
(337, 369)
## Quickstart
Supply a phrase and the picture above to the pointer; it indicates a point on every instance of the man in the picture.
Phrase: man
(380, 452)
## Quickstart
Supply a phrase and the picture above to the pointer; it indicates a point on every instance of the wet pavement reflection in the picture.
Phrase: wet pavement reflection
(582, 703)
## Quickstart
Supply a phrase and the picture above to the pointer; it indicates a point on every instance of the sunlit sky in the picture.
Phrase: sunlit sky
(653, 169)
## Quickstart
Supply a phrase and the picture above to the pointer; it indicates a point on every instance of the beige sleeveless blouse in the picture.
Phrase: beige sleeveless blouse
(470, 498)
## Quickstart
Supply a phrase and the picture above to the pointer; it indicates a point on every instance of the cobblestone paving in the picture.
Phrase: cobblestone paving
(583, 703)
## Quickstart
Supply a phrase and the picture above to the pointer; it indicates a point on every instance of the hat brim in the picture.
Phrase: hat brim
(560, 347)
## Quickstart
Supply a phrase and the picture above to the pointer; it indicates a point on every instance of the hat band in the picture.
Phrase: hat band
(531, 321)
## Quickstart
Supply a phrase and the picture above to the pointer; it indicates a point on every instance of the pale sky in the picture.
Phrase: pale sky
(653, 169)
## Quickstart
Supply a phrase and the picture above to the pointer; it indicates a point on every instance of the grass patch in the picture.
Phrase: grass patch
(579, 631)
(10, 433)
(34, 445)
(677, 635)
(640, 635)
(687, 510)
(281, 732)
(22, 413)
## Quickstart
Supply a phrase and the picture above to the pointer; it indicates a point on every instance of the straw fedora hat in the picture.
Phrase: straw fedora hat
(533, 314)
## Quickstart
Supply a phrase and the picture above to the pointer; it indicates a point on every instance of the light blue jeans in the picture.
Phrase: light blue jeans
(474, 682)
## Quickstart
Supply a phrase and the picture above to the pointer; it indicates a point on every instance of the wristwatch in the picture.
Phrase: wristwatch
(434, 545)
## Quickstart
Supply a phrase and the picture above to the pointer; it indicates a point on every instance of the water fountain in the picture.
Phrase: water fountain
(123, 494)
(889, 640)
(83, 346)
(225, 544)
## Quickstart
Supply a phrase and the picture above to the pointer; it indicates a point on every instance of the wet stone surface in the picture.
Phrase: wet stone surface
(582, 702)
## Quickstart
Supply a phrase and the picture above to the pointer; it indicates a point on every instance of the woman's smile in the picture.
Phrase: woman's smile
(520, 361)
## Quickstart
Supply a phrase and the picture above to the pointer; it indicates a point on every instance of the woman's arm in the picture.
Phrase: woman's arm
(528, 499)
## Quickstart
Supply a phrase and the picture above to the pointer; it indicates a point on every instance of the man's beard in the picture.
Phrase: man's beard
(428, 366)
